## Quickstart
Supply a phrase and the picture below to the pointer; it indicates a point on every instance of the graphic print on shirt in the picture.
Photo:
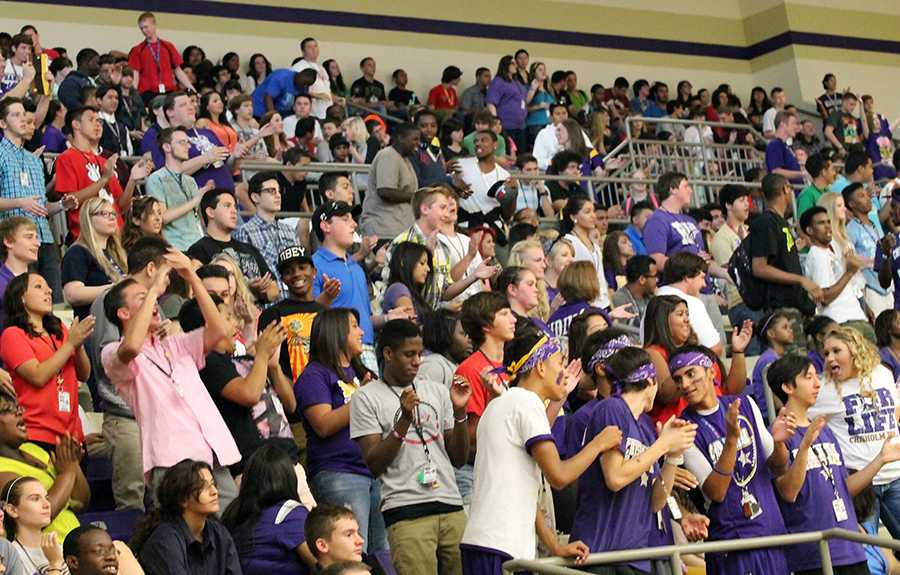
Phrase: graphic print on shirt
(870, 417)
(634, 448)
(688, 232)
(298, 327)
(885, 149)
(746, 462)
(426, 424)
(823, 453)
(245, 261)
(200, 142)
(348, 388)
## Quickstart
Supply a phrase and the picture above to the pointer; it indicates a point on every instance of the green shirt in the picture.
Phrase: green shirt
(468, 144)
(808, 198)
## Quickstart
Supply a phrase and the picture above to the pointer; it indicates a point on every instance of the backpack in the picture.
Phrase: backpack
(740, 269)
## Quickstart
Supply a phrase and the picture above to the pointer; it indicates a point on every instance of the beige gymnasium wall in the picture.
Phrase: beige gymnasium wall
(732, 23)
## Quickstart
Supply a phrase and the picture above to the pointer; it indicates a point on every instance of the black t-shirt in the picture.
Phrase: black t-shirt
(296, 317)
(401, 96)
(247, 257)
(563, 190)
(220, 370)
(79, 265)
(771, 238)
(371, 91)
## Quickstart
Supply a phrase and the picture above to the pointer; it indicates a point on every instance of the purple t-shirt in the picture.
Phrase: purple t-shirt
(757, 389)
(779, 155)
(813, 509)
(606, 520)
(53, 140)
(895, 267)
(561, 319)
(889, 361)
(667, 233)
(509, 99)
(201, 140)
(394, 292)
(6, 276)
(817, 360)
(278, 533)
(727, 520)
(880, 147)
(318, 385)
(576, 427)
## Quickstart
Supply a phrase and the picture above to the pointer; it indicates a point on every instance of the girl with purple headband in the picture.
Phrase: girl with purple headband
(620, 493)
(735, 459)
(515, 447)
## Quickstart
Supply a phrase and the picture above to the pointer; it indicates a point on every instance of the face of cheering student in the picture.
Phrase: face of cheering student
(151, 220)
(420, 271)
(355, 339)
(534, 260)
(504, 325)
(133, 297)
(207, 501)
(32, 510)
(680, 324)
(220, 287)
(838, 360)
(695, 383)
(104, 221)
(12, 424)
(24, 244)
(552, 374)
(226, 344)
(299, 278)
(38, 297)
(780, 331)
(97, 555)
(805, 387)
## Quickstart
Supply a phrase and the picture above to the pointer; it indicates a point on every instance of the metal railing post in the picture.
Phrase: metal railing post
(825, 553)
(675, 563)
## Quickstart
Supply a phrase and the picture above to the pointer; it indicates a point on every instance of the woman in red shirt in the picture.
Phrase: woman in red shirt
(46, 360)
(667, 327)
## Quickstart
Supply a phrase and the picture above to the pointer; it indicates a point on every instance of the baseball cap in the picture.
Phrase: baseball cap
(292, 254)
(157, 102)
(327, 211)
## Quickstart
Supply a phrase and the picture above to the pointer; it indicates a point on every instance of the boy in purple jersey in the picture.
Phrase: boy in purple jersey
(735, 459)
(816, 493)
(887, 253)
(515, 449)
(619, 494)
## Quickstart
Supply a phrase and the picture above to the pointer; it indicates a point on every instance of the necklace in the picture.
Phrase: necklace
(28, 555)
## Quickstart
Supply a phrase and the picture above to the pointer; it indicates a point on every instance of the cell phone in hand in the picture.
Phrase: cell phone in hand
(40, 84)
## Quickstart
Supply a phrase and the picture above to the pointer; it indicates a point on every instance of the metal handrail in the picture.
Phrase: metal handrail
(558, 566)
(668, 120)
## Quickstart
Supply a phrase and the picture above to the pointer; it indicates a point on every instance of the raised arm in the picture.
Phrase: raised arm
(135, 332)
(790, 483)
(216, 326)
(39, 373)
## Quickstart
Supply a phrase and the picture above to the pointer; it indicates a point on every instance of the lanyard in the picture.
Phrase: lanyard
(824, 465)
(417, 421)
(156, 56)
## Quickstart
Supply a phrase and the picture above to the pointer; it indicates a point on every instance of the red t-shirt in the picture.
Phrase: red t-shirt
(471, 369)
(49, 414)
(76, 170)
(663, 413)
(151, 72)
(441, 98)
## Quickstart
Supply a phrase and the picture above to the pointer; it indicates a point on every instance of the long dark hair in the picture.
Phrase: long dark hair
(883, 327)
(656, 322)
(139, 208)
(17, 315)
(251, 69)
(503, 68)
(437, 333)
(404, 259)
(52, 110)
(12, 493)
(337, 83)
(612, 255)
(204, 108)
(328, 340)
(573, 206)
(268, 479)
(180, 483)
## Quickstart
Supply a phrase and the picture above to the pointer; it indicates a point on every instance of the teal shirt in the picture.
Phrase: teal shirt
(172, 191)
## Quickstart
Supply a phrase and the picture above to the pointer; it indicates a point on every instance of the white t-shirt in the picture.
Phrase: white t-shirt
(322, 85)
(546, 145)
(707, 333)
(507, 479)
(290, 125)
(480, 184)
(825, 267)
(457, 247)
(594, 255)
(768, 120)
(861, 424)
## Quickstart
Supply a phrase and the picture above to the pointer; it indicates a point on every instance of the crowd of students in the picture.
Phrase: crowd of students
(420, 377)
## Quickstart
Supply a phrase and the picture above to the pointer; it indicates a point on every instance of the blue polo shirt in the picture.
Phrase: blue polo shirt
(354, 287)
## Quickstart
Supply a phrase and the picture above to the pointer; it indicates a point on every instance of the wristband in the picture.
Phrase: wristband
(722, 473)
(464, 419)
(397, 434)
(676, 461)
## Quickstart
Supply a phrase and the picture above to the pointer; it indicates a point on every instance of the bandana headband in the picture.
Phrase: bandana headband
(689, 358)
(544, 348)
(644, 372)
(607, 350)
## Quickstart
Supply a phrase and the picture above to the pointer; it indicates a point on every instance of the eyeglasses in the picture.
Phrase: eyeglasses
(273, 191)
(105, 213)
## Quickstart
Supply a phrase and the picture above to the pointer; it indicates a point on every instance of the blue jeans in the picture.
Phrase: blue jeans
(888, 507)
(465, 481)
(737, 315)
(362, 495)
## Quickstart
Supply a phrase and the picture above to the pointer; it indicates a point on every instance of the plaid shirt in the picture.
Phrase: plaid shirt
(440, 265)
(267, 237)
(22, 176)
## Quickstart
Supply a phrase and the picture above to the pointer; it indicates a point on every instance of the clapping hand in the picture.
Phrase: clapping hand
(740, 338)
(460, 392)
(784, 426)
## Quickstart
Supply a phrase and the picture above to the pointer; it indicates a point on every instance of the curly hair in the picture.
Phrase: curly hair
(863, 354)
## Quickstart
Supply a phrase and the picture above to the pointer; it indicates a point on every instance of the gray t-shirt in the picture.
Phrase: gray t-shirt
(11, 559)
(379, 217)
(375, 408)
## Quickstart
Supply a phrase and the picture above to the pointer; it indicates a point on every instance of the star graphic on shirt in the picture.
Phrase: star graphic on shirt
(644, 480)
(744, 458)
(824, 474)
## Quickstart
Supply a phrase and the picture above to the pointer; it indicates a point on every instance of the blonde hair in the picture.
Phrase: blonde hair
(838, 227)
(517, 258)
(864, 356)
(244, 304)
(356, 130)
(599, 125)
(88, 239)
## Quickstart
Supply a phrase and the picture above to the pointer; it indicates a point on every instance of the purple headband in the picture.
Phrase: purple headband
(544, 348)
(645, 371)
(689, 358)
(607, 350)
